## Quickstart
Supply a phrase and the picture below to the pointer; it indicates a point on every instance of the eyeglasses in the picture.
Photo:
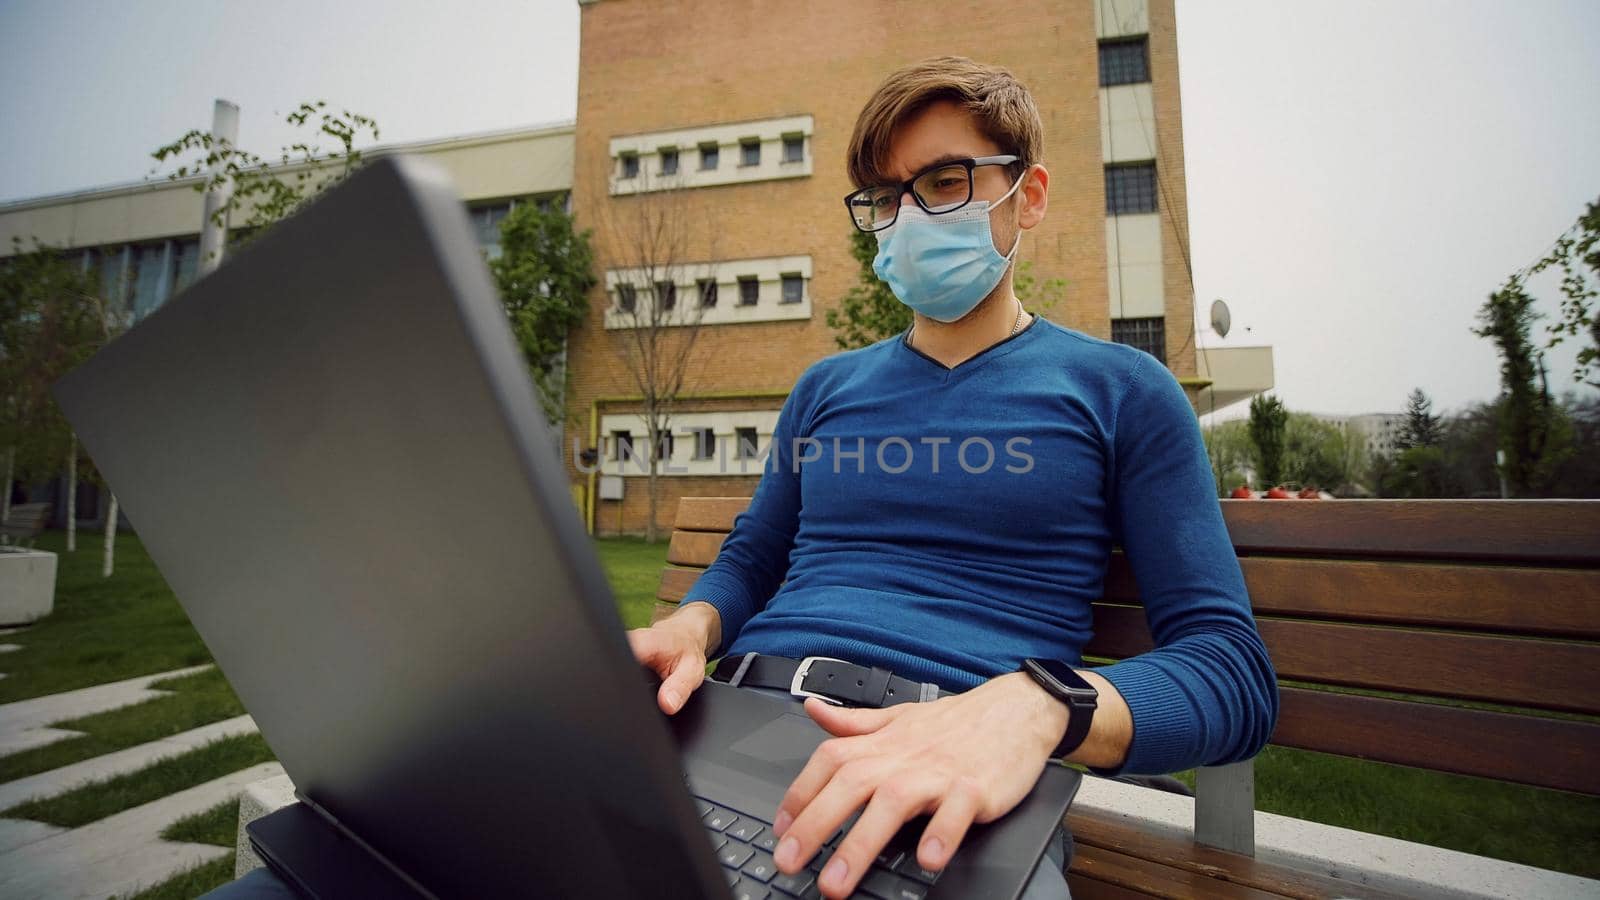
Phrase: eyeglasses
(941, 188)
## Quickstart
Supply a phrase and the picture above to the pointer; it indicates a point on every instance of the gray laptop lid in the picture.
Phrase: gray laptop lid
(330, 448)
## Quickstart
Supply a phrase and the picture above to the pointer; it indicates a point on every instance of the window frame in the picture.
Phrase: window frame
(755, 292)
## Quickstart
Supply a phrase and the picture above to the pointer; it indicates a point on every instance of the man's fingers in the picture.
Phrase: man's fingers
(894, 802)
(948, 827)
(842, 722)
(683, 680)
(824, 813)
(819, 770)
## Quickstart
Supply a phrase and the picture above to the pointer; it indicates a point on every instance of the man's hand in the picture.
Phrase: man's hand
(962, 759)
(675, 649)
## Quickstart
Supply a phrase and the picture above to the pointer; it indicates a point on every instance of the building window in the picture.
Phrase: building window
(708, 292)
(666, 294)
(664, 446)
(705, 443)
(669, 162)
(746, 440)
(621, 445)
(793, 288)
(627, 298)
(150, 279)
(1131, 189)
(188, 253)
(1149, 335)
(1124, 62)
(708, 157)
(749, 291)
(794, 148)
(486, 220)
(630, 165)
(749, 153)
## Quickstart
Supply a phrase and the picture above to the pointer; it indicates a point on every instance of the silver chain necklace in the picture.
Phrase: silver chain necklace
(1022, 316)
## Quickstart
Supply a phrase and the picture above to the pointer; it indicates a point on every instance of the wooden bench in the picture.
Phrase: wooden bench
(24, 523)
(1435, 634)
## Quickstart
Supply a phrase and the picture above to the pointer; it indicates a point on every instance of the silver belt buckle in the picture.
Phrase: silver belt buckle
(804, 669)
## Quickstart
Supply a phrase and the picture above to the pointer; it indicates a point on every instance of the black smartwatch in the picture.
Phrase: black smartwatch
(1069, 687)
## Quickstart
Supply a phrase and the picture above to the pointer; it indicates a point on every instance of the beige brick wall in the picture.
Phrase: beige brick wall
(649, 65)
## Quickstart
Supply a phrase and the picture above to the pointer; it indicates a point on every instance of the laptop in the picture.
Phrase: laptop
(331, 449)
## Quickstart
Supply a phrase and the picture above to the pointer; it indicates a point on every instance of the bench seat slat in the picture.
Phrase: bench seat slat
(1488, 598)
(1092, 866)
(1543, 674)
(1170, 847)
(1550, 753)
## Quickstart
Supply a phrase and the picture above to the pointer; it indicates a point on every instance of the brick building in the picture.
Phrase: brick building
(736, 116)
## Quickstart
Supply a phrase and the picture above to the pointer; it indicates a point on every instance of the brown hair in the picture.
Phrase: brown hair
(1000, 104)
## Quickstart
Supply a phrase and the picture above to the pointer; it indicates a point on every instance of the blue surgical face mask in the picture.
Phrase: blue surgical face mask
(942, 266)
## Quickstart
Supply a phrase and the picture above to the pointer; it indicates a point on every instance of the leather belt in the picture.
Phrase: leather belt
(832, 680)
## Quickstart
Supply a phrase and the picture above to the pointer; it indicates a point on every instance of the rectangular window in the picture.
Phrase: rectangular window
(1149, 335)
(794, 288)
(486, 221)
(749, 153)
(708, 292)
(150, 279)
(746, 440)
(749, 291)
(188, 254)
(794, 148)
(669, 162)
(627, 297)
(705, 443)
(1131, 189)
(621, 445)
(708, 157)
(1124, 62)
(630, 165)
(664, 446)
(666, 294)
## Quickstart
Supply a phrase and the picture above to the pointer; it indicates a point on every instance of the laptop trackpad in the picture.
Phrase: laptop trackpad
(786, 742)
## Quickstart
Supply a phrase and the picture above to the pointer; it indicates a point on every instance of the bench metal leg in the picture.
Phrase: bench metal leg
(1225, 807)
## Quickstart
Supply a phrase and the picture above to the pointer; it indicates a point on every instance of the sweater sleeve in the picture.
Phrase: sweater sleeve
(1206, 694)
(754, 559)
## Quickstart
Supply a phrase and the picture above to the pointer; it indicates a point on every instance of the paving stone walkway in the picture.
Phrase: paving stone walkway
(122, 853)
(24, 724)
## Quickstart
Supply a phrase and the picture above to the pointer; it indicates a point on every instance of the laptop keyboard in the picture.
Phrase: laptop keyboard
(744, 845)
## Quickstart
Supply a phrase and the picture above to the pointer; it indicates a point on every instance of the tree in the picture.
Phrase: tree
(1228, 445)
(1268, 422)
(1577, 254)
(871, 312)
(1418, 472)
(268, 191)
(653, 330)
(1532, 433)
(544, 273)
(1316, 454)
(48, 325)
(1422, 428)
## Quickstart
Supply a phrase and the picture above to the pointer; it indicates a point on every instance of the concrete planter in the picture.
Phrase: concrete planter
(27, 585)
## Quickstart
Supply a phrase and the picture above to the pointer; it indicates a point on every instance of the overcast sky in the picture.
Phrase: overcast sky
(1361, 174)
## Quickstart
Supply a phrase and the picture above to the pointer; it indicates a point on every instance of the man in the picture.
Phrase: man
(943, 503)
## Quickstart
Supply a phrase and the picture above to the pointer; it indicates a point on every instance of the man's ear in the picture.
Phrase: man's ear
(1034, 197)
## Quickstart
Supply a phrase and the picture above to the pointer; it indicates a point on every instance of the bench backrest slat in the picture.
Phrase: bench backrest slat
(1552, 753)
(1531, 531)
(1469, 597)
(1543, 674)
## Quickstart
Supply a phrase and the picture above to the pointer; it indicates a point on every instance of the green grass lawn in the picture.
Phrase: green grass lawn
(102, 629)
(87, 641)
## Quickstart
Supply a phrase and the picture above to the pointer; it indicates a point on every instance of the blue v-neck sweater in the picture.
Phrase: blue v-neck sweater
(946, 523)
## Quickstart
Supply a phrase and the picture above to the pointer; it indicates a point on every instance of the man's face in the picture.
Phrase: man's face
(944, 131)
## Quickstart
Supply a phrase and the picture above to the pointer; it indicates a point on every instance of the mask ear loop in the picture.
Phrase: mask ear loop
(1010, 257)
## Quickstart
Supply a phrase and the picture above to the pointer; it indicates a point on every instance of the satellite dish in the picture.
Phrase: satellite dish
(1221, 320)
